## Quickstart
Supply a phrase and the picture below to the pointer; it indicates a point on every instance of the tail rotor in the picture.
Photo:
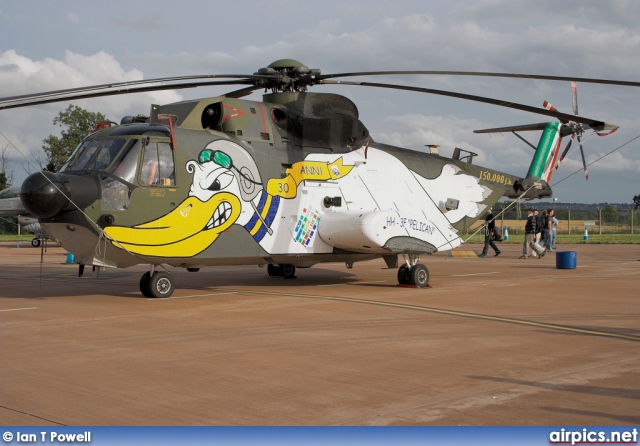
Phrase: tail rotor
(575, 129)
(584, 163)
(548, 149)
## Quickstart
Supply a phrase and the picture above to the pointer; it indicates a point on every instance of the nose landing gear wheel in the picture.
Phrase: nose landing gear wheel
(144, 284)
(160, 284)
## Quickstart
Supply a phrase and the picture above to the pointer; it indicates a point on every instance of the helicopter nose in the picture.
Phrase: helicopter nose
(45, 194)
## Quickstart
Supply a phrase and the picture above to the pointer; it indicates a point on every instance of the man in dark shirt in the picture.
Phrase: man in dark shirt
(489, 226)
(530, 231)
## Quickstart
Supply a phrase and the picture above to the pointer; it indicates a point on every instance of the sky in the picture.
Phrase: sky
(47, 45)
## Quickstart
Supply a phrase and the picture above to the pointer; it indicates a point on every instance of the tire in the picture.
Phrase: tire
(404, 275)
(419, 275)
(161, 285)
(145, 281)
(35, 242)
(288, 271)
(274, 271)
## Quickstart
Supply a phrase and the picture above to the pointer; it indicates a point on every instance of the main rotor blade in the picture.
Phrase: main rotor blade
(594, 124)
(485, 74)
(243, 92)
(514, 128)
(46, 98)
(118, 85)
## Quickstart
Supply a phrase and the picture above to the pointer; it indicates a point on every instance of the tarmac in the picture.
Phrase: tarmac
(493, 341)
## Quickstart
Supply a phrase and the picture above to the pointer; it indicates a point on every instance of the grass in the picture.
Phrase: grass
(16, 238)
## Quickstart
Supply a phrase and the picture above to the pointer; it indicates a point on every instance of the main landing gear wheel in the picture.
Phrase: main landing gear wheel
(274, 271)
(286, 270)
(35, 242)
(419, 275)
(404, 275)
(413, 273)
(160, 284)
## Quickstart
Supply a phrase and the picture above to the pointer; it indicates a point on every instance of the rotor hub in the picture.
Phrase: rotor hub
(287, 75)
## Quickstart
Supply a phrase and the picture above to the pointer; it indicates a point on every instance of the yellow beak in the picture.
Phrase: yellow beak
(186, 231)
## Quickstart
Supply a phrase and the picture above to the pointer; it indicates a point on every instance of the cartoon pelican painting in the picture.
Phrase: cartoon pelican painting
(224, 167)
(226, 189)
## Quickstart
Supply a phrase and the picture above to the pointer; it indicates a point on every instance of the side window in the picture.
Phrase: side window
(158, 167)
(126, 166)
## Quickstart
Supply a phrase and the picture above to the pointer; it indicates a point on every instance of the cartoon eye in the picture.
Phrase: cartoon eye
(221, 181)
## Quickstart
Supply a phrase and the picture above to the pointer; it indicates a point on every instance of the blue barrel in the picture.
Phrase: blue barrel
(566, 259)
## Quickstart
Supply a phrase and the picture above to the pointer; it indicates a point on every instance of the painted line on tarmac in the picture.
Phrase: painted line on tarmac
(20, 309)
(191, 295)
(486, 317)
(474, 274)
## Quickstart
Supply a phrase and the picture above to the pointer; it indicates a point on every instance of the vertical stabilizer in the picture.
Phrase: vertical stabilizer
(546, 153)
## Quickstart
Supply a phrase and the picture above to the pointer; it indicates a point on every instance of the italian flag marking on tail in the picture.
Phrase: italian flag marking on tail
(547, 152)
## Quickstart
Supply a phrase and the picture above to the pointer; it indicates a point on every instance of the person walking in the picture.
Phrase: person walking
(489, 227)
(545, 230)
(553, 225)
(539, 225)
(530, 231)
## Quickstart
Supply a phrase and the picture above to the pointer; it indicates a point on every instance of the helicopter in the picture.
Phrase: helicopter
(11, 206)
(287, 182)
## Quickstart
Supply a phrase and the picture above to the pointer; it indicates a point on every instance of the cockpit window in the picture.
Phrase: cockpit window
(81, 155)
(158, 167)
(127, 163)
(115, 193)
(94, 154)
(106, 154)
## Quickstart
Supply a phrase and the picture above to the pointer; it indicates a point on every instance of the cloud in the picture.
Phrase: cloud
(25, 128)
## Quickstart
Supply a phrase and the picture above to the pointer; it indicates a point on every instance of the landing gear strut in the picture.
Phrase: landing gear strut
(412, 272)
(156, 284)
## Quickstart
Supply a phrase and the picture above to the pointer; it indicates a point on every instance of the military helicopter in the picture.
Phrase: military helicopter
(11, 206)
(287, 182)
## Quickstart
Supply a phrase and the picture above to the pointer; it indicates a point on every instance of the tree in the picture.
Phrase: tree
(6, 173)
(610, 214)
(636, 201)
(79, 123)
